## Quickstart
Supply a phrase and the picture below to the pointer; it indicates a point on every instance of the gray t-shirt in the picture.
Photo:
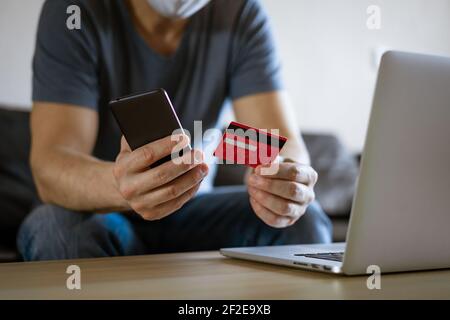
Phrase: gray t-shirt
(225, 53)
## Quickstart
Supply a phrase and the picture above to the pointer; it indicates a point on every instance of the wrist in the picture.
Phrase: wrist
(117, 201)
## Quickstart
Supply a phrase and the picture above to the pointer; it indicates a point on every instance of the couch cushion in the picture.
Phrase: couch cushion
(338, 169)
(17, 192)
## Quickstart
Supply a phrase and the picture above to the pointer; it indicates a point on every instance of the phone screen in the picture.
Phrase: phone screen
(146, 117)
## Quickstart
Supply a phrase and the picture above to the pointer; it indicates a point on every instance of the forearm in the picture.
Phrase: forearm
(77, 181)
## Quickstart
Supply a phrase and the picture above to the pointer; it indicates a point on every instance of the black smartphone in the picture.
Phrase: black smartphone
(146, 117)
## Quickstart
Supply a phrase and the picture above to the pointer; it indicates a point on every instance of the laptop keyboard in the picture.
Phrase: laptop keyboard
(333, 256)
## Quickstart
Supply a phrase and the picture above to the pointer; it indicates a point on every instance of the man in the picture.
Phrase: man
(203, 53)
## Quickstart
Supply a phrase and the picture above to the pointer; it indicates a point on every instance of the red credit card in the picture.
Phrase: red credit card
(252, 147)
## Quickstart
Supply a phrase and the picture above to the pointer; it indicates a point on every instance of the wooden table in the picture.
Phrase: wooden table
(205, 275)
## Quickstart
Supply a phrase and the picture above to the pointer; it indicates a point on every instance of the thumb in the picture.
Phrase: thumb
(124, 146)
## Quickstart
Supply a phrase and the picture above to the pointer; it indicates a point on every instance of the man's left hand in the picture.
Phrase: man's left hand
(281, 198)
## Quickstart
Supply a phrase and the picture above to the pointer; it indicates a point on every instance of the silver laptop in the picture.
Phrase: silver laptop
(400, 219)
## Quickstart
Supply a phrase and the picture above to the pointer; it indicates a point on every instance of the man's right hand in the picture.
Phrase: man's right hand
(155, 193)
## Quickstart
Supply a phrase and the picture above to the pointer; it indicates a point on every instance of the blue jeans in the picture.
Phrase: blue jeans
(222, 218)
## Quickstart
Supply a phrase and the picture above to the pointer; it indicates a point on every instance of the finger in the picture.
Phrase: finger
(143, 182)
(248, 173)
(124, 146)
(167, 208)
(286, 189)
(124, 149)
(276, 204)
(174, 189)
(269, 217)
(145, 156)
(293, 172)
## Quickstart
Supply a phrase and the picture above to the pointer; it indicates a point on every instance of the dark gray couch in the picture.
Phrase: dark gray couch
(336, 167)
(17, 192)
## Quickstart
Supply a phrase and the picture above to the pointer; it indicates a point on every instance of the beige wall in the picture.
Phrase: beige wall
(18, 21)
(326, 48)
(328, 53)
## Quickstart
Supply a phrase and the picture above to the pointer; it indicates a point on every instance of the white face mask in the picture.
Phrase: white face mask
(180, 9)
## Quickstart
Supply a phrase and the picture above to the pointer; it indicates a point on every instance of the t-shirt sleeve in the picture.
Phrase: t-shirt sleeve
(255, 67)
(65, 61)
